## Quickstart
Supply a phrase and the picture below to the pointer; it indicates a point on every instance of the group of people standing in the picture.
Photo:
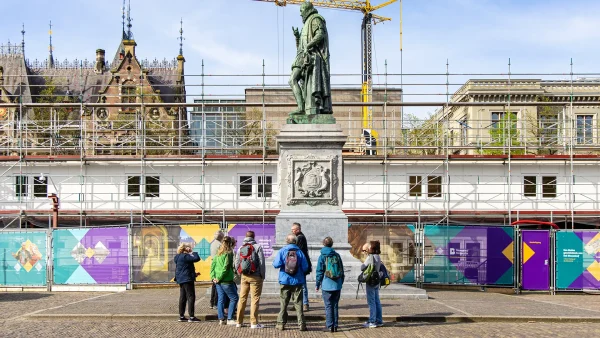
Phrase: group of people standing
(293, 262)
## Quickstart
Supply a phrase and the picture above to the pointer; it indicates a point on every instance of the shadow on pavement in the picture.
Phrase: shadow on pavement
(22, 296)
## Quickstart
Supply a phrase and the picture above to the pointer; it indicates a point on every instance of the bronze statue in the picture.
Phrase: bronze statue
(310, 79)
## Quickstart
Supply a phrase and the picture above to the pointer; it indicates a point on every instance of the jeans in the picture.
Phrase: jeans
(253, 285)
(331, 300)
(187, 293)
(226, 290)
(293, 292)
(375, 316)
(304, 293)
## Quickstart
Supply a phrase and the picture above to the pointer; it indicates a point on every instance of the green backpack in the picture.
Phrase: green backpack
(370, 276)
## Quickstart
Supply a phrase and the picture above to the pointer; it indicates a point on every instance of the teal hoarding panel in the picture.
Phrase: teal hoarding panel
(23, 258)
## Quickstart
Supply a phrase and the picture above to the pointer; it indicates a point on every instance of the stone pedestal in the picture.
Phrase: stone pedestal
(311, 190)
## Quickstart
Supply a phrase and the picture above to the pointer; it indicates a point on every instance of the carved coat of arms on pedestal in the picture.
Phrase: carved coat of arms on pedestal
(312, 180)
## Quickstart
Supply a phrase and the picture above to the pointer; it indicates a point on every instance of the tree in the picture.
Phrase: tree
(543, 129)
(55, 125)
(423, 136)
(504, 134)
(251, 135)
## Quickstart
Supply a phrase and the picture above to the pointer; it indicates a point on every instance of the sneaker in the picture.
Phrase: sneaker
(194, 320)
(183, 319)
(239, 325)
(280, 327)
(257, 326)
(305, 308)
(231, 322)
(371, 325)
(303, 328)
(222, 322)
(366, 324)
(379, 324)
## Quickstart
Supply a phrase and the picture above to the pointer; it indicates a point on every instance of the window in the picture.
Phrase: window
(415, 185)
(549, 186)
(584, 129)
(152, 186)
(434, 186)
(463, 131)
(21, 186)
(548, 126)
(265, 185)
(245, 186)
(40, 186)
(529, 186)
(499, 116)
(128, 96)
(133, 185)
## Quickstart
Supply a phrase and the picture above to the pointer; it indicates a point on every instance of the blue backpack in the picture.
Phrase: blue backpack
(333, 266)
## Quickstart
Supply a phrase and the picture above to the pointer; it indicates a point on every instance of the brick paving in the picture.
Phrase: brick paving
(149, 328)
(153, 313)
(441, 303)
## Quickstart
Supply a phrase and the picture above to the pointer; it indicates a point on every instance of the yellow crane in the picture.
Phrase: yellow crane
(369, 19)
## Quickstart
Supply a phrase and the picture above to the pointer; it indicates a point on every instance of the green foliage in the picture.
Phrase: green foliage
(504, 134)
(252, 135)
(425, 135)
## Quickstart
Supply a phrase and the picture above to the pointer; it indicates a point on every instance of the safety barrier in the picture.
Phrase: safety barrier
(525, 259)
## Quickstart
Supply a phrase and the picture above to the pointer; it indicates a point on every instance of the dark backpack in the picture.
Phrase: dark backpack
(249, 262)
(291, 262)
(385, 276)
(333, 267)
(370, 276)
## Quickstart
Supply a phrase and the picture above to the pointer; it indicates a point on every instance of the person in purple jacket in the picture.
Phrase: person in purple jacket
(292, 265)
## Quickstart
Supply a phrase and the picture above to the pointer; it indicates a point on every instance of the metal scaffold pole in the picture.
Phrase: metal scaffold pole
(509, 119)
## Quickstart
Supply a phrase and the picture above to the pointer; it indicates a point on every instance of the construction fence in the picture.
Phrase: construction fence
(498, 256)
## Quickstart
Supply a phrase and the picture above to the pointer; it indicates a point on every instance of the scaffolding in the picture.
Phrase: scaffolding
(81, 151)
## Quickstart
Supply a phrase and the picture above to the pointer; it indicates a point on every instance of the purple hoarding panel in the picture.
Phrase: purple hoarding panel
(535, 255)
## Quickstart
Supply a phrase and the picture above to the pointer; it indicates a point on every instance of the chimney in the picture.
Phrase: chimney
(99, 67)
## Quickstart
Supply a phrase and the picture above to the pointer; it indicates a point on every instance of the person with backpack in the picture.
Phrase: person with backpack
(303, 245)
(250, 265)
(292, 265)
(185, 276)
(330, 277)
(372, 278)
(221, 273)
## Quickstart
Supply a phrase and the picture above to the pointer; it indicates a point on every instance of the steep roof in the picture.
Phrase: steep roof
(16, 80)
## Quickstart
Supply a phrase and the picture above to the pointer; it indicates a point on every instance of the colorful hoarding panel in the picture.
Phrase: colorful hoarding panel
(578, 260)
(477, 255)
(398, 250)
(535, 256)
(91, 256)
(264, 234)
(23, 258)
(155, 247)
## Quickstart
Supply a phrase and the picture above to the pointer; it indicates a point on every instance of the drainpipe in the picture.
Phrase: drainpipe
(54, 199)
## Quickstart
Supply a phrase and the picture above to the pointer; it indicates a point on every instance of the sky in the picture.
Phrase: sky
(476, 38)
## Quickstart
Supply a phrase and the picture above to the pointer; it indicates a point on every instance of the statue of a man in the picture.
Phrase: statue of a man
(310, 79)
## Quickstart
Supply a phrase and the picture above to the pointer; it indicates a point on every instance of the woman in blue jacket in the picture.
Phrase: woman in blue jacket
(185, 275)
(330, 277)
